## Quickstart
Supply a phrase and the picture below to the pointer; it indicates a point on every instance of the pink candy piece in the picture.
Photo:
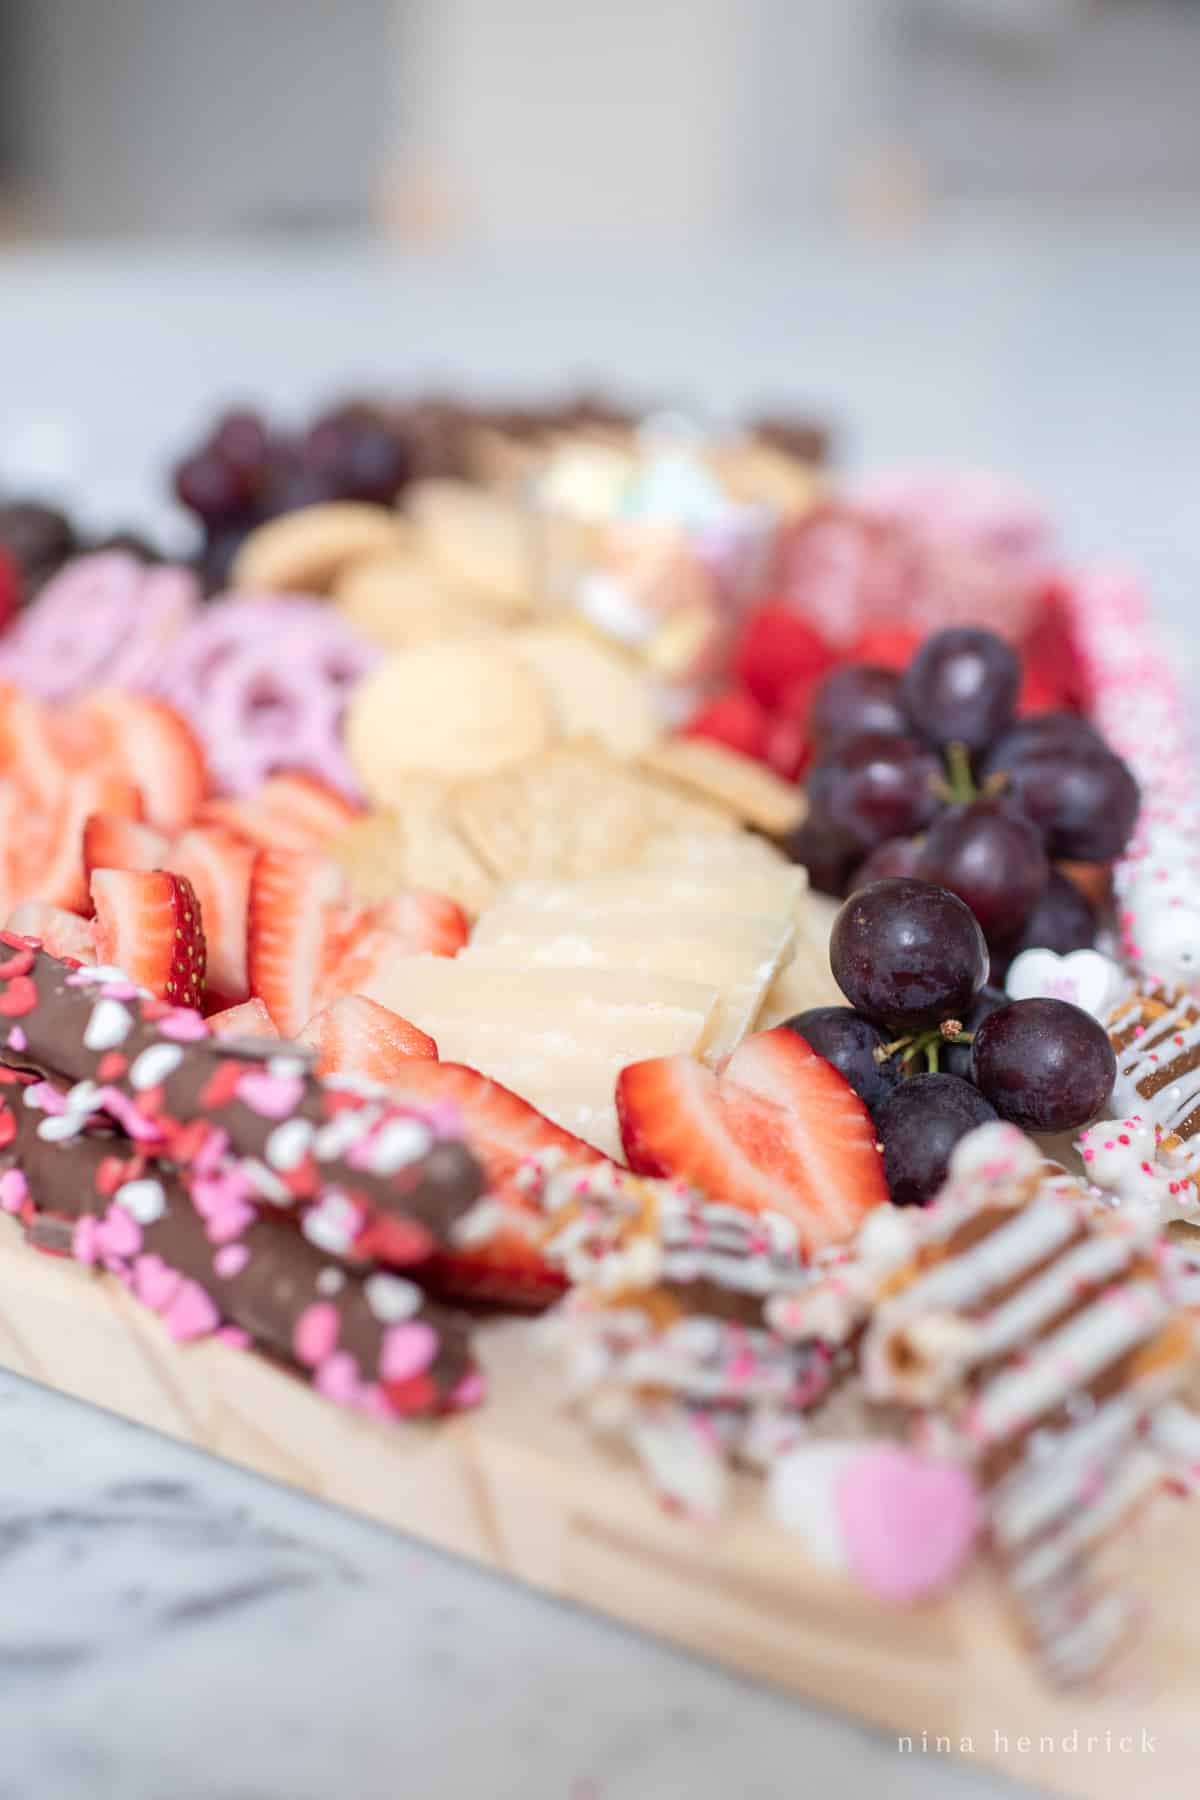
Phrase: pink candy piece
(908, 1525)
(408, 1350)
(105, 619)
(315, 1335)
(263, 680)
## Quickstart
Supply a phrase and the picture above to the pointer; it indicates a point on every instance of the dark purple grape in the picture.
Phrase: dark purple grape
(1044, 1064)
(919, 1125)
(856, 699)
(955, 1059)
(358, 453)
(991, 856)
(816, 850)
(1064, 731)
(871, 788)
(1084, 802)
(847, 1040)
(1062, 920)
(213, 488)
(38, 538)
(907, 954)
(898, 857)
(242, 438)
(216, 560)
(961, 687)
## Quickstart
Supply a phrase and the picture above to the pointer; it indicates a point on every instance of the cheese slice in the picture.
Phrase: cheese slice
(677, 852)
(773, 892)
(739, 955)
(804, 979)
(635, 1008)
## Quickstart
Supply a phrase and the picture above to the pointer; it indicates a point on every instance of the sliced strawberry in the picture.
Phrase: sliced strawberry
(886, 646)
(291, 892)
(148, 925)
(29, 752)
(250, 1019)
(734, 719)
(777, 1130)
(51, 855)
(422, 923)
(507, 1135)
(776, 648)
(60, 932)
(219, 867)
(111, 841)
(356, 954)
(357, 1036)
(288, 812)
(151, 744)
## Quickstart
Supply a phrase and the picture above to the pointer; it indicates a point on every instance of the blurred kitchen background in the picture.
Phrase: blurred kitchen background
(965, 232)
(511, 122)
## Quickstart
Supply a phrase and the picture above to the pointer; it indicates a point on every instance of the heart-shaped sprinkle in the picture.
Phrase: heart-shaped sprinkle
(391, 1298)
(908, 1525)
(143, 1200)
(408, 1350)
(1084, 977)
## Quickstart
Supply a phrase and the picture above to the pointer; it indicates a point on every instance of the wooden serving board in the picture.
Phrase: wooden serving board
(521, 1487)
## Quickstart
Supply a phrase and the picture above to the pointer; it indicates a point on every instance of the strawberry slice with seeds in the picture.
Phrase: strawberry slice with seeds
(288, 812)
(219, 867)
(292, 893)
(778, 1129)
(508, 1136)
(357, 1036)
(148, 925)
(250, 1019)
(29, 751)
(150, 744)
(60, 932)
(113, 842)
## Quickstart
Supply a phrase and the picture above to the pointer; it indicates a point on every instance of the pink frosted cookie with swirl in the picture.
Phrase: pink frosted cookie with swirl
(106, 619)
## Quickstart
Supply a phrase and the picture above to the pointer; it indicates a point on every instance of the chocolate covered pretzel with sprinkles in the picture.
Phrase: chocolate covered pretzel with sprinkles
(370, 1341)
(374, 1178)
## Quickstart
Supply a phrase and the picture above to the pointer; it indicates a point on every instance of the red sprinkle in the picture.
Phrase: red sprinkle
(8, 1128)
(19, 963)
(221, 1088)
(19, 998)
(112, 1066)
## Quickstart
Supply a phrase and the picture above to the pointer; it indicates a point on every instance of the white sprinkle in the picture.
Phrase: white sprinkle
(362, 1085)
(331, 1225)
(59, 1127)
(153, 1066)
(343, 1131)
(391, 1298)
(400, 1142)
(84, 1097)
(286, 1068)
(288, 1143)
(268, 1184)
(331, 1281)
(96, 973)
(108, 1026)
(142, 1200)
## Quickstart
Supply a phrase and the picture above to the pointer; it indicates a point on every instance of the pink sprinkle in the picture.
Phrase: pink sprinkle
(120, 990)
(230, 1260)
(129, 1116)
(470, 1391)
(17, 1039)
(270, 1096)
(47, 1098)
(119, 1233)
(1089, 1156)
(191, 1314)
(14, 1190)
(154, 1283)
(83, 1240)
(408, 1350)
(337, 1378)
(184, 1024)
(222, 1200)
(234, 1336)
(315, 1336)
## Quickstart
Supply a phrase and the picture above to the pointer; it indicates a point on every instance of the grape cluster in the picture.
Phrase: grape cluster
(928, 774)
(243, 473)
(931, 1049)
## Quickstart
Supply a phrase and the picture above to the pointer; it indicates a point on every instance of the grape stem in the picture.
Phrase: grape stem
(958, 768)
(925, 1043)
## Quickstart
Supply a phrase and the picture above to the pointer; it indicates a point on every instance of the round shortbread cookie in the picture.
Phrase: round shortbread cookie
(593, 692)
(458, 708)
(402, 600)
(304, 552)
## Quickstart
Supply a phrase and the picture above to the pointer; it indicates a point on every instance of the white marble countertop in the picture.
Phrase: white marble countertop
(174, 1630)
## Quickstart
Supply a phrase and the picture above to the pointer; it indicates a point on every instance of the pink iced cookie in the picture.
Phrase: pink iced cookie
(908, 1525)
(104, 619)
(263, 680)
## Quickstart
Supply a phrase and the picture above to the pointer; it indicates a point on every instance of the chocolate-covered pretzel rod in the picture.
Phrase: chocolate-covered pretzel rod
(382, 1170)
(374, 1341)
